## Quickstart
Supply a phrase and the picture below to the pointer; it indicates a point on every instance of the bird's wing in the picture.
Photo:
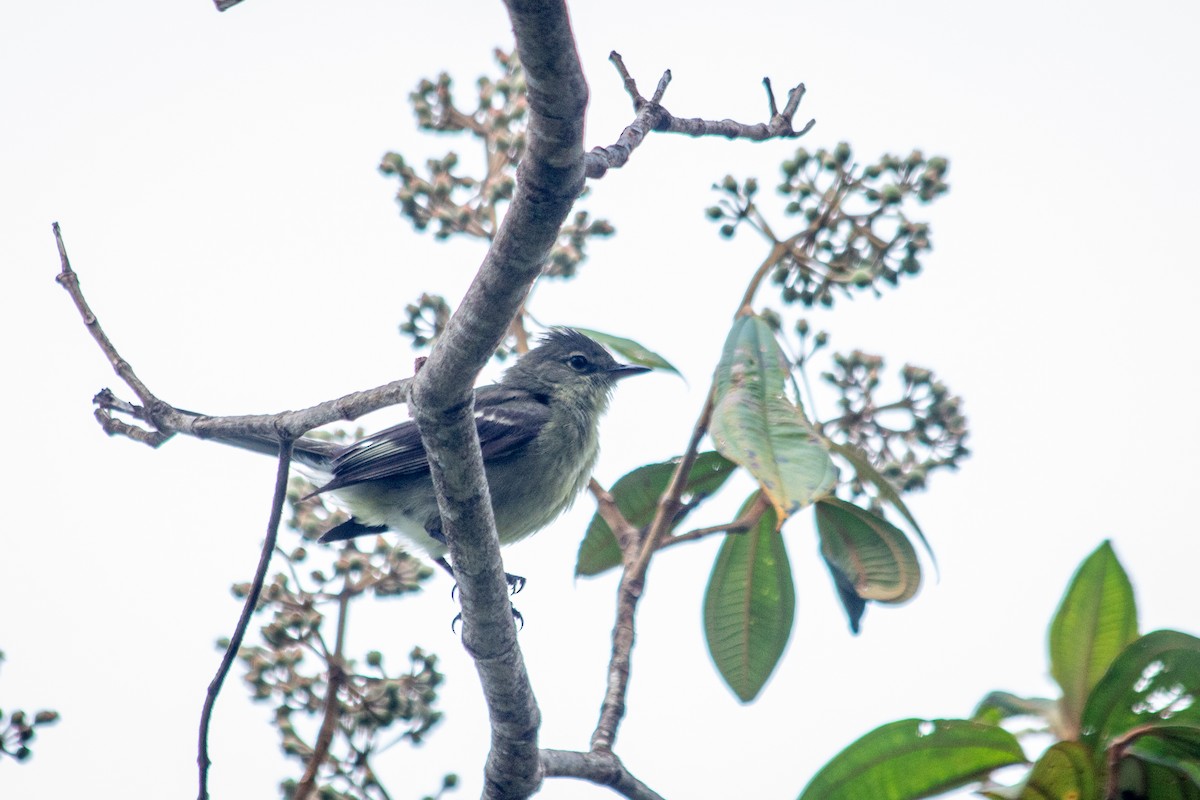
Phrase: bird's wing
(506, 420)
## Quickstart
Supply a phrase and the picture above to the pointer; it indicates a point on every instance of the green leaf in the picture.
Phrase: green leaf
(887, 491)
(636, 495)
(1140, 780)
(1064, 772)
(853, 605)
(632, 351)
(1154, 680)
(1176, 747)
(874, 555)
(1095, 621)
(754, 424)
(749, 605)
(998, 706)
(914, 758)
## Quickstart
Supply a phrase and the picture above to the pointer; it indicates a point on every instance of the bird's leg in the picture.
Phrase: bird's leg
(434, 528)
(515, 582)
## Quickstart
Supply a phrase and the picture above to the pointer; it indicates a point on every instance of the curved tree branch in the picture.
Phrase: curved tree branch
(549, 179)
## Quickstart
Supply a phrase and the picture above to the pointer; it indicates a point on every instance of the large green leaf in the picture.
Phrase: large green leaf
(887, 492)
(1140, 780)
(1096, 620)
(1066, 771)
(1154, 680)
(636, 495)
(755, 425)
(874, 555)
(632, 351)
(914, 758)
(749, 605)
(1176, 747)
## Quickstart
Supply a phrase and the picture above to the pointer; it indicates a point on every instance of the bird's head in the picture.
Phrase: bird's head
(569, 366)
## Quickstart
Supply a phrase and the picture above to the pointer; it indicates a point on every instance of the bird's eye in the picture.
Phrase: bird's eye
(577, 363)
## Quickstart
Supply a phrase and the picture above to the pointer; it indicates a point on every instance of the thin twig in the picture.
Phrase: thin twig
(633, 581)
(69, 280)
(651, 116)
(740, 525)
(625, 531)
(248, 608)
(166, 420)
(633, 577)
(333, 684)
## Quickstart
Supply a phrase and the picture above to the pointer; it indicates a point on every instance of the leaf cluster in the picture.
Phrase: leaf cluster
(1127, 724)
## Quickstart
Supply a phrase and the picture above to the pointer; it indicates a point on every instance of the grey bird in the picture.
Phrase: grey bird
(538, 430)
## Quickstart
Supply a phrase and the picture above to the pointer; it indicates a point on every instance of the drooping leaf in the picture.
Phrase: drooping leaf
(853, 605)
(1066, 771)
(875, 556)
(749, 605)
(636, 495)
(887, 492)
(912, 759)
(998, 706)
(631, 351)
(1095, 621)
(755, 425)
(1154, 680)
(1175, 747)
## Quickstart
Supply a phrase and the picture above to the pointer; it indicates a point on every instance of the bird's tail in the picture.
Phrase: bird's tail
(315, 454)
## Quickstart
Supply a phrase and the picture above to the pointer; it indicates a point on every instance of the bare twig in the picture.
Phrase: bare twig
(333, 684)
(70, 281)
(633, 581)
(603, 769)
(637, 558)
(651, 116)
(165, 420)
(624, 531)
(740, 525)
(239, 633)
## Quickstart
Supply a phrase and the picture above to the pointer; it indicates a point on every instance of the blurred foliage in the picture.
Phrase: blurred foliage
(472, 205)
(18, 729)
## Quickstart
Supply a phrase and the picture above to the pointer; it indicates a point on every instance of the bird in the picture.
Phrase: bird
(538, 432)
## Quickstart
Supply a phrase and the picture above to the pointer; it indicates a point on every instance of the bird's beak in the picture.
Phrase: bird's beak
(625, 370)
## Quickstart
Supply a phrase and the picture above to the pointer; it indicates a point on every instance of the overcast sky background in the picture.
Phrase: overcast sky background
(215, 177)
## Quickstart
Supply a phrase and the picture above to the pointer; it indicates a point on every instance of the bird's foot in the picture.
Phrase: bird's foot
(515, 582)
(516, 615)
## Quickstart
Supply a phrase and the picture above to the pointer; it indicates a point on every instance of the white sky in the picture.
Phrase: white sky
(215, 179)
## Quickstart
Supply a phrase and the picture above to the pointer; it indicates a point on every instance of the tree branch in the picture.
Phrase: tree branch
(740, 525)
(651, 116)
(549, 179)
(307, 787)
(166, 420)
(603, 769)
(606, 506)
(248, 608)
